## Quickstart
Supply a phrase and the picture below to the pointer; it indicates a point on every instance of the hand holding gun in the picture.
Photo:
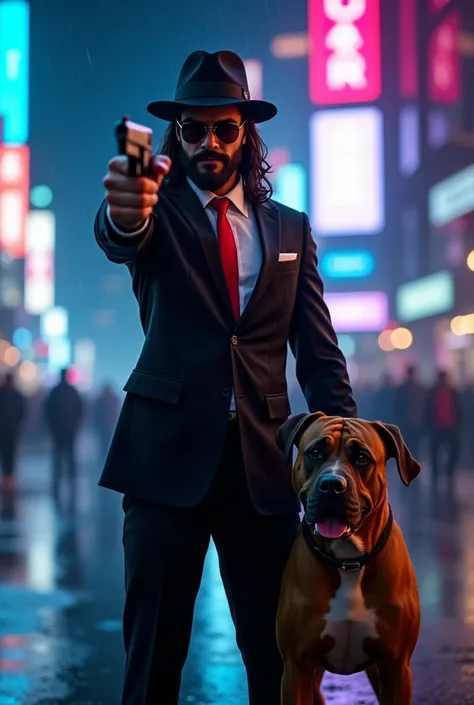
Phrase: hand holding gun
(134, 178)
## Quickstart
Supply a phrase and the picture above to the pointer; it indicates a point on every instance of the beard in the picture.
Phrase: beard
(204, 176)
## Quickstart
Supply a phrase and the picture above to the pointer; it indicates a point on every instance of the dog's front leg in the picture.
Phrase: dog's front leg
(396, 683)
(297, 685)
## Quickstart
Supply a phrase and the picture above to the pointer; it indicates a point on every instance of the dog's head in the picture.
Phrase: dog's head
(339, 473)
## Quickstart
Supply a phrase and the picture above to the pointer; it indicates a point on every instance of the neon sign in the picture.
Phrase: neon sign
(452, 198)
(444, 61)
(347, 264)
(425, 297)
(358, 311)
(347, 165)
(408, 45)
(39, 262)
(254, 71)
(291, 186)
(344, 56)
(14, 198)
(435, 6)
(14, 70)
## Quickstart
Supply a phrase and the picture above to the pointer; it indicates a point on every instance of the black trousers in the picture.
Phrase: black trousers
(448, 440)
(8, 453)
(64, 458)
(165, 550)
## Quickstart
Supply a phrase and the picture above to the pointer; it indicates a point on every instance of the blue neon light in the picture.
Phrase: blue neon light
(14, 70)
(41, 197)
(291, 186)
(22, 338)
(347, 264)
(347, 344)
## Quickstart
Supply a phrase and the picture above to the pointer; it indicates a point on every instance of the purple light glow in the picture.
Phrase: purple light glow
(347, 169)
(358, 312)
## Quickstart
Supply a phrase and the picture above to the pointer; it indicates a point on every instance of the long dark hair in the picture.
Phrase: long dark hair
(253, 168)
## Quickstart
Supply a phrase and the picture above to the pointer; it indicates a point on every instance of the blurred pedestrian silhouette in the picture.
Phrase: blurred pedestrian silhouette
(410, 407)
(105, 413)
(63, 412)
(443, 418)
(384, 398)
(12, 414)
(467, 405)
(366, 393)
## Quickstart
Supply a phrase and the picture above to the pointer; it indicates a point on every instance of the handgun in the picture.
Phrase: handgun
(135, 141)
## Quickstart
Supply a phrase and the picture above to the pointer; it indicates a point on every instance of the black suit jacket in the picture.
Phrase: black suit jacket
(171, 430)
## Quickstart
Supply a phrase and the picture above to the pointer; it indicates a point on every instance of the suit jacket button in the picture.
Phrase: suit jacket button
(234, 340)
(226, 392)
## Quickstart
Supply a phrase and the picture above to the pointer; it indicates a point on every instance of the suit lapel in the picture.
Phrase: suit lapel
(192, 211)
(268, 223)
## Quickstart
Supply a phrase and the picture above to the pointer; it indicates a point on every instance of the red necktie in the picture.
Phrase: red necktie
(228, 252)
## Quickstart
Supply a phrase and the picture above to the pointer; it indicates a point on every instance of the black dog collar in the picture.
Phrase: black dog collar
(348, 564)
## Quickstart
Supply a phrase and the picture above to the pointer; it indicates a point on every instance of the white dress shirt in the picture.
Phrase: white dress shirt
(244, 226)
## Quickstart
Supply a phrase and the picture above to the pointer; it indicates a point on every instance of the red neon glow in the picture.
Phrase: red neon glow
(41, 348)
(435, 6)
(279, 156)
(344, 54)
(10, 641)
(444, 61)
(14, 198)
(73, 375)
(408, 72)
(12, 666)
(41, 266)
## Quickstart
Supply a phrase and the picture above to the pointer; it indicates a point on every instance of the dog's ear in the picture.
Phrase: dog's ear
(408, 467)
(290, 432)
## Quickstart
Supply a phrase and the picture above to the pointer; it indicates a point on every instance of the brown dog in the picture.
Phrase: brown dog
(349, 600)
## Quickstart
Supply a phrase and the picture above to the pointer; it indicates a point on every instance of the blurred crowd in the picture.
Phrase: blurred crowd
(52, 419)
(434, 419)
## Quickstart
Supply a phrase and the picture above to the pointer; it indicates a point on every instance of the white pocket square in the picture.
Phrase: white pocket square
(287, 256)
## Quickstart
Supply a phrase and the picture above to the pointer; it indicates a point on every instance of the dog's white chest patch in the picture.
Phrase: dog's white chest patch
(349, 622)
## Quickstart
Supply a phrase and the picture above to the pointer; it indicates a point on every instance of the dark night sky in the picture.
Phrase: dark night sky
(91, 62)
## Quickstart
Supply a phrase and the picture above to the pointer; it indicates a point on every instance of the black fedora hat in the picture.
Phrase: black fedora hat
(213, 80)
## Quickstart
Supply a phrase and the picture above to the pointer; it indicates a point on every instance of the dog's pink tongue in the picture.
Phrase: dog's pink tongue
(331, 528)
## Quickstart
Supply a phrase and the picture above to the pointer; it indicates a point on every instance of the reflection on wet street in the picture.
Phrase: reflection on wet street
(61, 595)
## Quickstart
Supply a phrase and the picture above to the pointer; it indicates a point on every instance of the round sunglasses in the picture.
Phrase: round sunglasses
(194, 132)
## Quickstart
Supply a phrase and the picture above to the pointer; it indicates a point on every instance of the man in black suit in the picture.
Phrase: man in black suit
(224, 278)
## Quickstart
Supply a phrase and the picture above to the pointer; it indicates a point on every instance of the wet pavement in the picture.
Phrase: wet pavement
(61, 596)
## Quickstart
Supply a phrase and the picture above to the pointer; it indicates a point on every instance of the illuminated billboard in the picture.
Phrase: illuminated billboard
(408, 48)
(291, 186)
(39, 262)
(452, 198)
(409, 140)
(425, 297)
(59, 353)
(435, 6)
(54, 323)
(347, 171)
(254, 71)
(14, 69)
(14, 198)
(84, 360)
(358, 311)
(290, 46)
(444, 61)
(344, 51)
(347, 264)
